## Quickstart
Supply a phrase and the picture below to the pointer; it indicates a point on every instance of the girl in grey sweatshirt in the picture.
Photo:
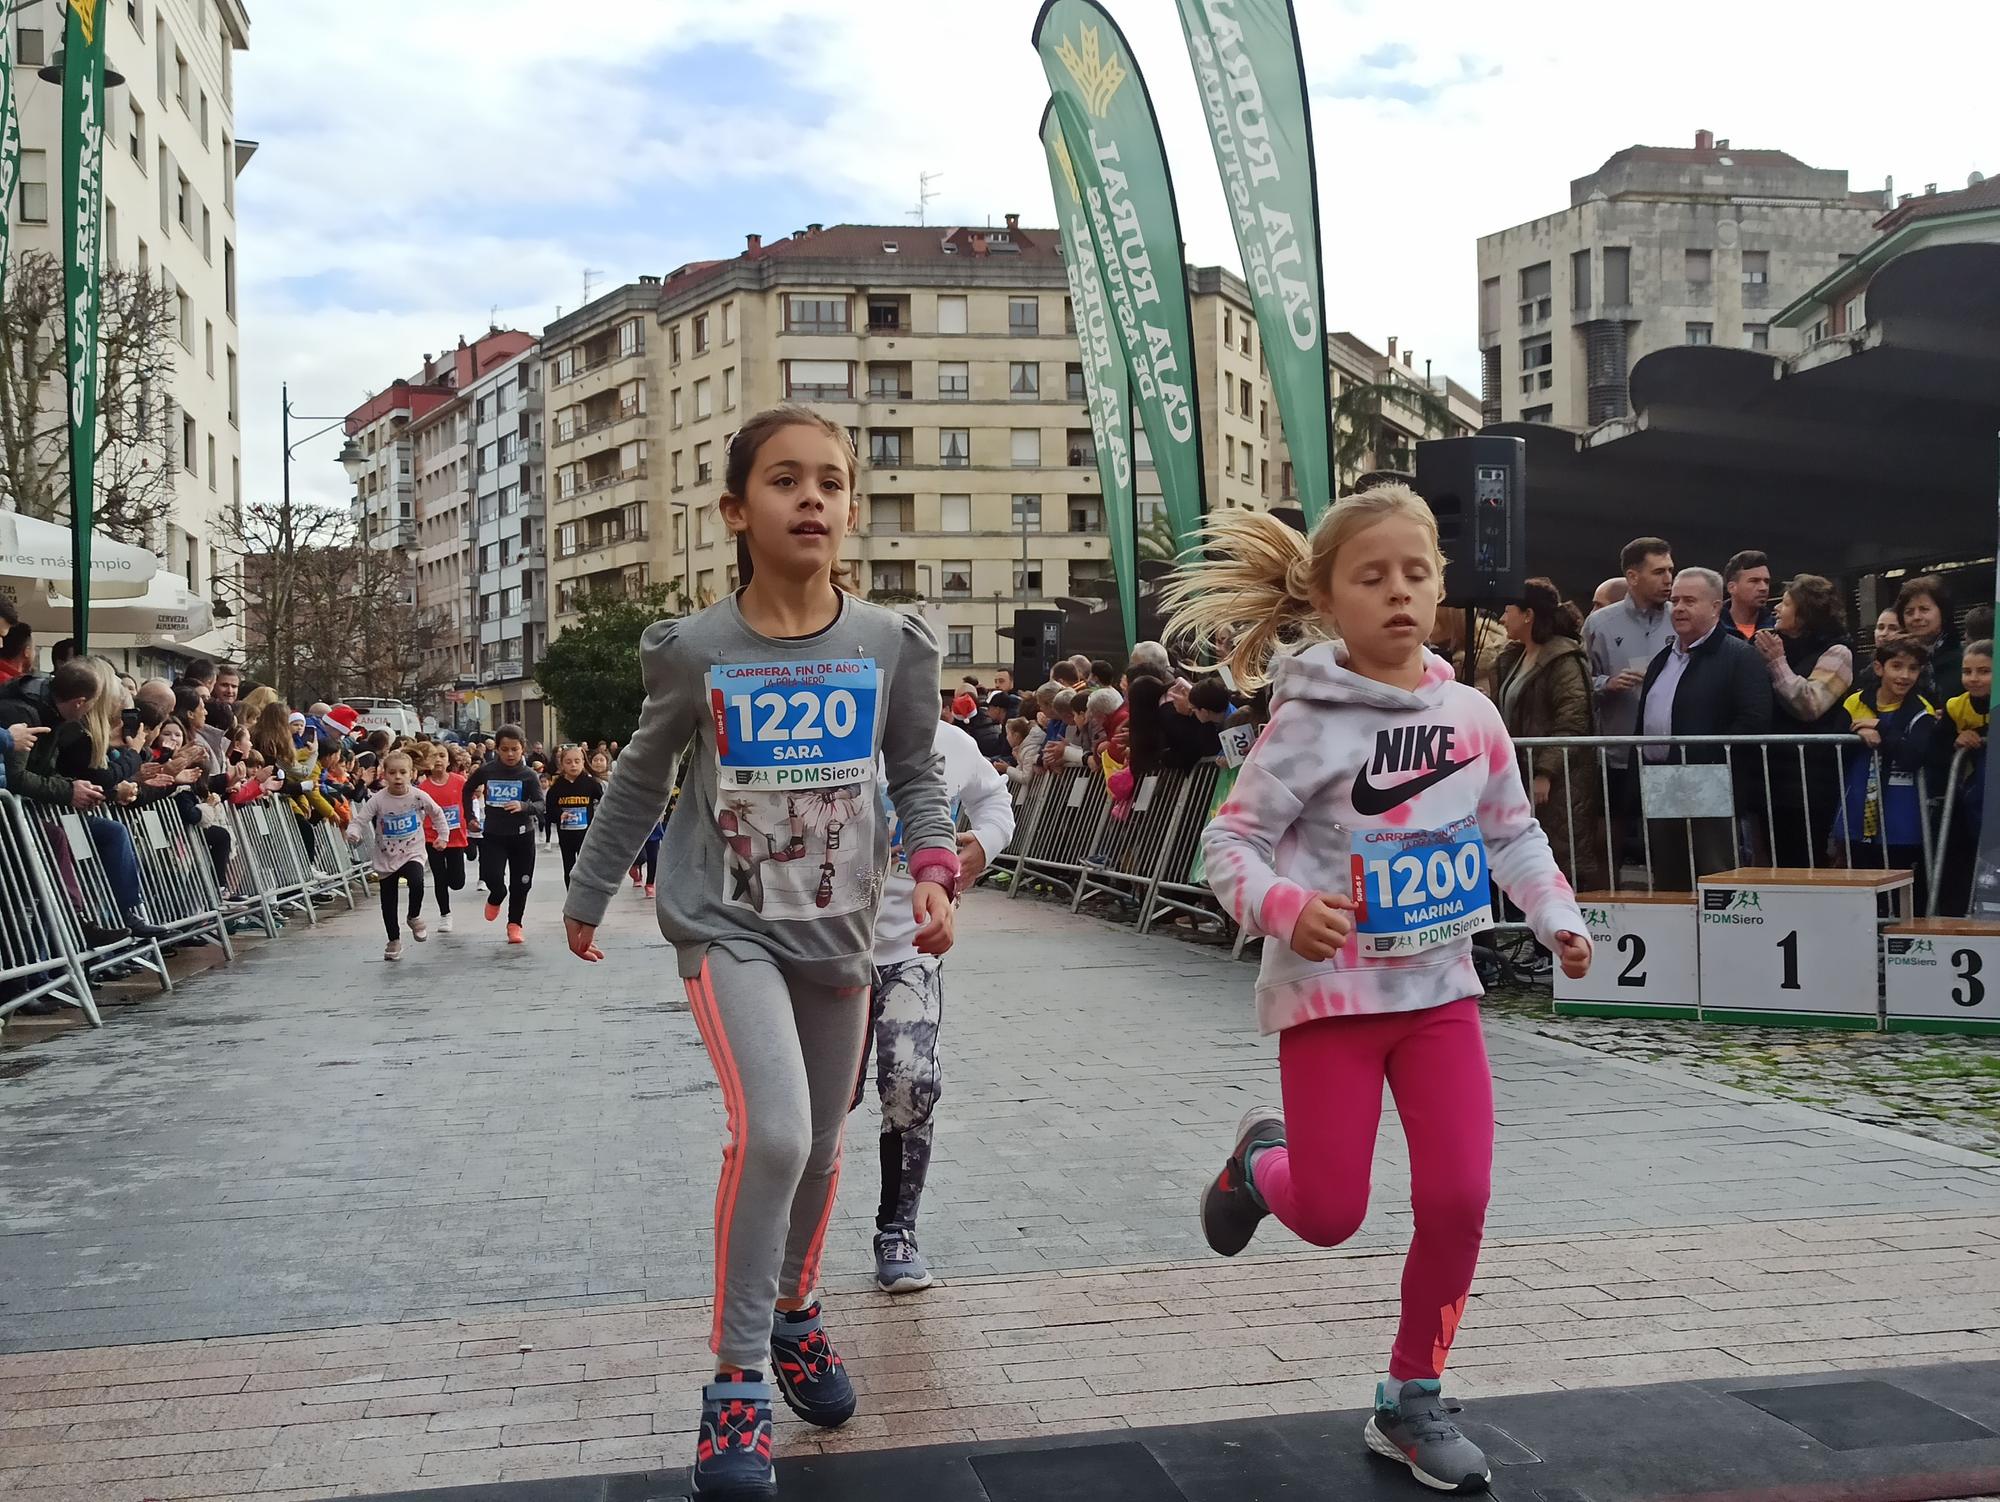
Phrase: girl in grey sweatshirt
(784, 695)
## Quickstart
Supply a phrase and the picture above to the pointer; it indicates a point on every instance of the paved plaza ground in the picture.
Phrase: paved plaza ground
(318, 1226)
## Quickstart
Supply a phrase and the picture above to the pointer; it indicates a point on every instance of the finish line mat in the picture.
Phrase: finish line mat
(1923, 1434)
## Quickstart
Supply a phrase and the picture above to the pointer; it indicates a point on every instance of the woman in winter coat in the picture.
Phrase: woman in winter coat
(1541, 682)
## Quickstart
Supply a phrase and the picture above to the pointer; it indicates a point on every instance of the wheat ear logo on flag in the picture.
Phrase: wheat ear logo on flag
(1096, 75)
(86, 17)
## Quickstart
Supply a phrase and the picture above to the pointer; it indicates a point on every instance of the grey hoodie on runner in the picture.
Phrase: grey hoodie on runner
(778, 838)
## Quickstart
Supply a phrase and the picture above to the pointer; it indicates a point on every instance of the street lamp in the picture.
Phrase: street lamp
(351, 459)
(687, 538)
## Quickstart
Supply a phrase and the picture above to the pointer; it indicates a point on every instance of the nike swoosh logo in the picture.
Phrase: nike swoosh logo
(1371, 800)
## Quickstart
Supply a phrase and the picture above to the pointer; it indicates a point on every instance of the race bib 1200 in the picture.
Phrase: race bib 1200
(794, 726)
(1419, 888)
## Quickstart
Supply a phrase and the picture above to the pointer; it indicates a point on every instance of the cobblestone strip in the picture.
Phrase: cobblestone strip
(583, 1391)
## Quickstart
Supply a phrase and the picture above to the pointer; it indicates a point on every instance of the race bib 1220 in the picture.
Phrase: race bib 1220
(795, 726)
(573, 818)
(1418, 888)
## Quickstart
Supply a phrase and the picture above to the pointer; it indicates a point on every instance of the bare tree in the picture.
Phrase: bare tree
(136, 449)
(327, 616)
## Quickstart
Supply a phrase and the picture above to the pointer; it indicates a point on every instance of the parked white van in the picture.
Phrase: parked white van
(392, 715)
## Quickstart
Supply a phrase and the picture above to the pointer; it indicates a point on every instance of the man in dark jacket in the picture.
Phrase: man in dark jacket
(1706, 681)
(989, 726)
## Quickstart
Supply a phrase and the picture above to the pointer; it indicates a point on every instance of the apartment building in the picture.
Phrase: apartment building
(949, 353)
(1659, 246)
(1384, 397)
(509, 562)
(171, 159)
(444, 550)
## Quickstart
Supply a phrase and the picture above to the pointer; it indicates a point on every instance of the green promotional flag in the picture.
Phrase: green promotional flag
(1252, 77)
(1107, 382)
(83, 211)
(1105, 113)
(10, 140)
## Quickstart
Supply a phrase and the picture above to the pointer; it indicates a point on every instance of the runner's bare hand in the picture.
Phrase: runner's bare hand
(931, 907)
(1324, 926)
(582, 940)
(971, 859)
(1573, 951)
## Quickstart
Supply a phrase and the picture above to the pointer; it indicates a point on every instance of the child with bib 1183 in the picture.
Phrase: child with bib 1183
(789, 690)
(399, 814)
(1359, 841)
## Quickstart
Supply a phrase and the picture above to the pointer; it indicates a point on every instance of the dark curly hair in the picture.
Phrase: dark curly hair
(1818, 611)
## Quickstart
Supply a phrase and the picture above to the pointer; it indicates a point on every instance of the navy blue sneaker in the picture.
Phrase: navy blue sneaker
(809, 1371)
(732, 1453)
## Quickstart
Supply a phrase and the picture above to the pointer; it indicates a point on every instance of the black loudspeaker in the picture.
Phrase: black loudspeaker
(1038, 644)
(1478, 490)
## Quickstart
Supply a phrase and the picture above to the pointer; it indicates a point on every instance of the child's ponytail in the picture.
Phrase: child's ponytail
(1251, 594)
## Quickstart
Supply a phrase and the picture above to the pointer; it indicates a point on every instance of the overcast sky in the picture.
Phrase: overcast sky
(427, 168)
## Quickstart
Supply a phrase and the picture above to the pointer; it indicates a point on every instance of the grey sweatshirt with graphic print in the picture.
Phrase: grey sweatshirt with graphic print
(777, 839)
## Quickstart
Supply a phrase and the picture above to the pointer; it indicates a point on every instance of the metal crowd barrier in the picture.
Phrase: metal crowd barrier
(275, 862)
(92, 920)
(1126, 862)
(1027, 799)
(1175, 889)
(175, 872)
(39, 947)
(1062, 839)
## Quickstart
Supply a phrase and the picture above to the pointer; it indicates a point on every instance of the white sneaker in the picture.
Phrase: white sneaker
(393, 950)
(444, 924)
(419, 930)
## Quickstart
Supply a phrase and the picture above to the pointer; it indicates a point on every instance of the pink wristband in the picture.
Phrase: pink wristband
(940, 866)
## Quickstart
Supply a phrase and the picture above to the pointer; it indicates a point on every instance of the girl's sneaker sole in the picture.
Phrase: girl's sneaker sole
(1380, 1444)
(906, 1285)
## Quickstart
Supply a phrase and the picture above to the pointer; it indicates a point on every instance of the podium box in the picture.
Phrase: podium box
(1643, 957)
(1941, 975)
(1794, 946)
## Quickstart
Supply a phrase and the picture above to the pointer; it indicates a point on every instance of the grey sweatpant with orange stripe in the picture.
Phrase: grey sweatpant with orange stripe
(787, 1053)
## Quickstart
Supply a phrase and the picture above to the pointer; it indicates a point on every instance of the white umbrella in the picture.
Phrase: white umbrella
(38, 551)
(167, 611)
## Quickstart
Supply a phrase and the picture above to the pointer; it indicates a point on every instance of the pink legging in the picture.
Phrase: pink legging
(1332, 1071)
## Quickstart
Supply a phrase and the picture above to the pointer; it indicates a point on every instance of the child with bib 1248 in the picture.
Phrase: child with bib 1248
(790, 688)
(1359, 841)
(399, 815)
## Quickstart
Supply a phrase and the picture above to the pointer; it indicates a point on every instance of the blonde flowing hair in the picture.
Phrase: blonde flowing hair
(1252, 592)
(101, 720)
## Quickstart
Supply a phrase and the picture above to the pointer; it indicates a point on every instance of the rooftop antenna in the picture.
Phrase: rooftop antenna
(925, 193)
(590, 276)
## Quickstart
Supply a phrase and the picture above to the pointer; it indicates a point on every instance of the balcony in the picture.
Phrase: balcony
(598, 542)
(396, 535)
(605, 482)
(501, 672)
(529, 453)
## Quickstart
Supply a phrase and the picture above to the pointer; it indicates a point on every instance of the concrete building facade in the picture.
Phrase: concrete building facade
(1659, 246)
(171, 159)
(949, 354)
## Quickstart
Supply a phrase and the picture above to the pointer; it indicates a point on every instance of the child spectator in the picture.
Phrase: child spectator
(1963, 729)
(1880, 823)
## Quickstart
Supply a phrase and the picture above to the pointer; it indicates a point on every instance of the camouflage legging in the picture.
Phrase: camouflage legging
(906, 1010)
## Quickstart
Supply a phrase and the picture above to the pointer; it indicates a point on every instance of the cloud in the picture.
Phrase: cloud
(422, 165)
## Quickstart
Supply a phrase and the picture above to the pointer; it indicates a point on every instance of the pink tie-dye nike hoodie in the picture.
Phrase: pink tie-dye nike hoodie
(1285, 832)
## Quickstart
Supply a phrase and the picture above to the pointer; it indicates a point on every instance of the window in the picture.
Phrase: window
(1082, 447)
(1027, 513)
(565, 366)
(1243, 397)
(1756, 267)
(803, 315)
(674, 345)
(729, 388)
(1757, 335)
(229, 363)
(33, 197)
(1073, 385)
(1535, 353)
(135, 141)
(138, 20)
(954, 447)
(228, 175)
(1249, 461)
(885, 448)
(1228, 393)
(1579, 282)
(1699, 265)
(955, 578)
(703, 470)
(229, 278)
(208, 345)
(628, 338)
(954, 382)
(28, 47)
(1086, 513)
(955, 513)
(1024, 380)
(1069, 316)
(891, 513)
(1701, 333)
(1025, 448)
(819, 380)
(1028, 579)
(958, 646)
(701, 332)
(203, 125)
(1024, 315)
(181, 79)
(674, 405)
(704, 398)
(1538, 414)
(187, 443)
(729, 322)
(1617, 275)
(211, 461)
(1228, 327)
(892, 578)
(166, 188)
(1855, 316)
(951, 315)
(885, 315)
(186, 306)
(207, 227)
(1534, 300)
(674, 469)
